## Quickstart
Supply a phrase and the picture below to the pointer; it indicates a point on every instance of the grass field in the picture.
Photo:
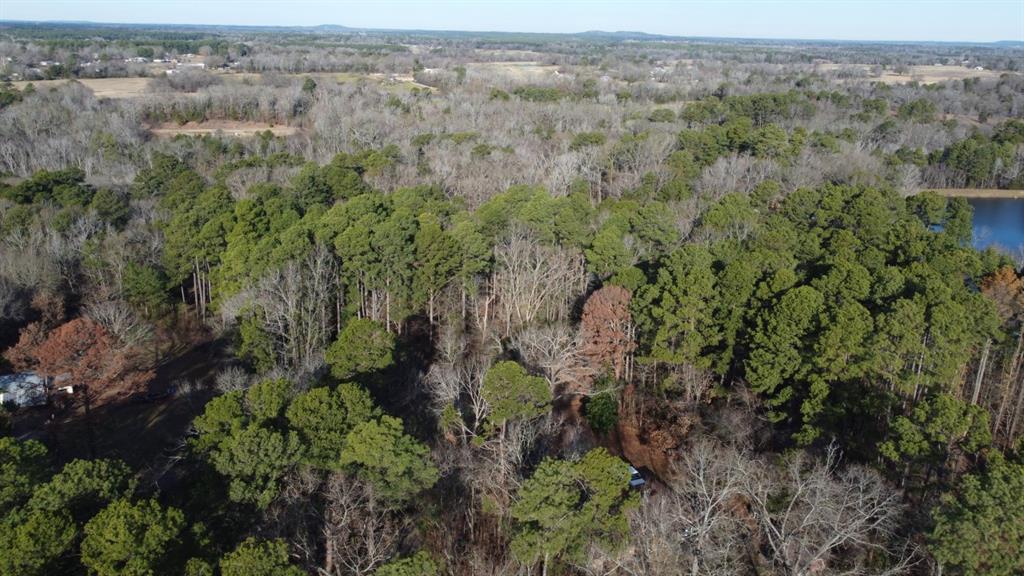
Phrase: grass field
(936, 74)
(523, 70)
(930, 74)
(513, 55)
(226, 127)
(101, 87)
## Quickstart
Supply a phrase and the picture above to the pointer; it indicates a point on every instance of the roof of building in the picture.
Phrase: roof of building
(24, 389)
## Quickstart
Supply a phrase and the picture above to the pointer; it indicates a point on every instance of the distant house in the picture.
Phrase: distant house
(23, 390)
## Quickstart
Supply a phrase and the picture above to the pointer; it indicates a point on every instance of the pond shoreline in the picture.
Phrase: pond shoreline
(998, 221)
(977, 193)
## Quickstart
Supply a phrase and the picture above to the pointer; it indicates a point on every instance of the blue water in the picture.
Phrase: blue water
(998, 222)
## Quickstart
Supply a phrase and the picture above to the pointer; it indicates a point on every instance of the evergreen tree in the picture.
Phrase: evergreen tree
(567, 506)
(259, 558)
(323, 417)
(397, 465)
(979, 528)
(419, 564)
(513, 394)
(126, 538)
(363, 347)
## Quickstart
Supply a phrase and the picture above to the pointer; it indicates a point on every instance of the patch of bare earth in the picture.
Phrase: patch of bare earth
(515, 70)
(649, 432)
(221, 127)
(925, 74)
(101, 87)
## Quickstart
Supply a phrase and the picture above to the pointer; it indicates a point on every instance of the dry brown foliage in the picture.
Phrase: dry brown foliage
(81, 353)
(607, 331)
(1006, 290)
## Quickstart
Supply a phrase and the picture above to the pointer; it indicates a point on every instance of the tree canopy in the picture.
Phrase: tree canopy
(565, 506)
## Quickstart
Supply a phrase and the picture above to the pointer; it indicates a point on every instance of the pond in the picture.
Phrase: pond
(998, 222)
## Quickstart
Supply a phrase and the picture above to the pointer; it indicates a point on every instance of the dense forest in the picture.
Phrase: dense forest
(433, 330)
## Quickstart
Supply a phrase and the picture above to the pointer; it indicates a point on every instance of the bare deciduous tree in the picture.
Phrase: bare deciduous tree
(121, 321)
(533, 281)
(360, 532)
(808, 511)
(556, 351)
(694, 527)
(298, 305)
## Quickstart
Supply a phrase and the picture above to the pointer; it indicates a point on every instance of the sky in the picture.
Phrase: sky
(912, 20)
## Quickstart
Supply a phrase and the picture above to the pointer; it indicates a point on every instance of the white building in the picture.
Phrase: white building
(23, 390)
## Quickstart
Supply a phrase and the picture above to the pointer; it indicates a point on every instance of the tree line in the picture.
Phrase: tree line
(406, 351)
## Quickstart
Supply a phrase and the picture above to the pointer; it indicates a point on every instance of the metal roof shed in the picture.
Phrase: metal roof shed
(22, 390)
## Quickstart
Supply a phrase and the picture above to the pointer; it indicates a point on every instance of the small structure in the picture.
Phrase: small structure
(23, 390)
(636, 479)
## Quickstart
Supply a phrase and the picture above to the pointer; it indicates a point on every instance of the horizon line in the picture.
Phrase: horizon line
(579, 33)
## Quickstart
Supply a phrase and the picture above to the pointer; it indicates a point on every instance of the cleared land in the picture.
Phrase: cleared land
(101, 87)
(225, 127)
(138, 86)
(929, 74)
(510, 55)
(978, 192)
(517, 70)
(398, 82)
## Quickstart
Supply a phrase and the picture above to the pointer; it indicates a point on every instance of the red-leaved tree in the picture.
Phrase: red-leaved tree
(81, 353)
(606, 330)
(21, 355)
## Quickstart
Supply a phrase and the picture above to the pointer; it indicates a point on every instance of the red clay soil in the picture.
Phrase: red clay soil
(649, 431)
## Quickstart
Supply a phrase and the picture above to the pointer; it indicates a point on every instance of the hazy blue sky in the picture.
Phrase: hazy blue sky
(980, 20)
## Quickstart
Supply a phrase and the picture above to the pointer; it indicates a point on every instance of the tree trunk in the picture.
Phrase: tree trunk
(1008, 379)
(90, 431)
(1017, 409)
(195, 288)
(981, 373)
